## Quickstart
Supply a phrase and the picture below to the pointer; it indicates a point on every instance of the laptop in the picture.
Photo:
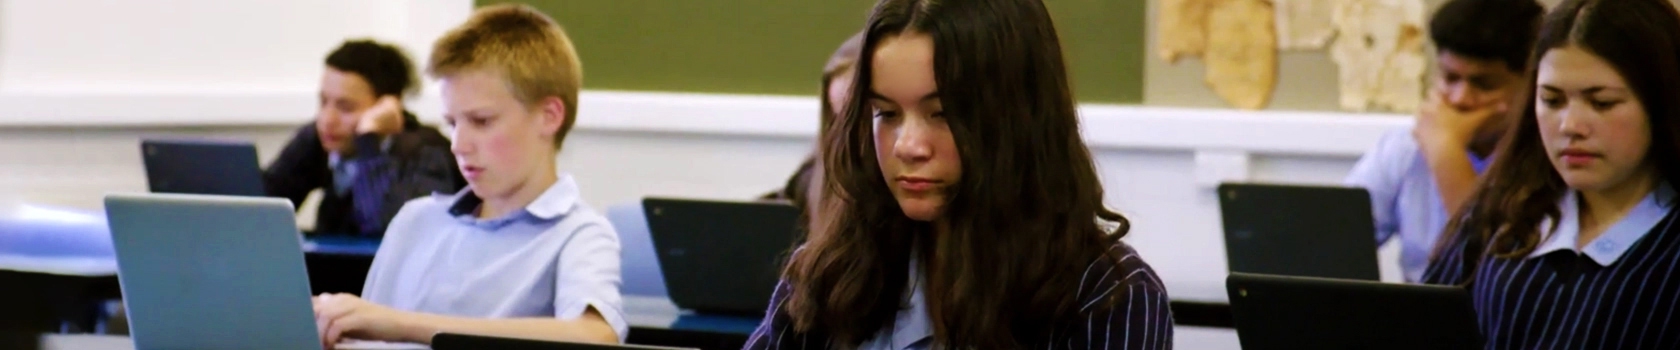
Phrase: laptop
(1287, 312)
(1291, 230)
(202, 167)
(453, 341)
(721, 257)
(211, 272)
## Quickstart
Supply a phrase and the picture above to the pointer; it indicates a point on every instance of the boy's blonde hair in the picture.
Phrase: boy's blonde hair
(525, 46)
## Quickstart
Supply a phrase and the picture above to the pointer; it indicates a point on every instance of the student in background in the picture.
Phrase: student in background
(804, 187)
(963, 209)
(518, 254)
(1570, 242)
(1419, 174)
(364, 150)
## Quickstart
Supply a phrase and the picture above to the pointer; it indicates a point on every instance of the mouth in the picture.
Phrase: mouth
(471, 172)
(1578, 157)
(917, 184)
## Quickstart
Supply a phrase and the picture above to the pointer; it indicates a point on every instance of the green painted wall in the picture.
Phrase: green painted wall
(779, 46)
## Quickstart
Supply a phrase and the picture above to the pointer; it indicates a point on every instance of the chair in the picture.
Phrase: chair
(640, 264)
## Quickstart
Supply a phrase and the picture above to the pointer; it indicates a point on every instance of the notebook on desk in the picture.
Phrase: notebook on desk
(202, 167)
(721, 257)
(1292, 230)
(1285, 312)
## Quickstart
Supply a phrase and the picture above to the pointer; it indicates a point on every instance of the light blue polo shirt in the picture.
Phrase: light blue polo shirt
(555, 259)
(1405, 200)
(911, 328)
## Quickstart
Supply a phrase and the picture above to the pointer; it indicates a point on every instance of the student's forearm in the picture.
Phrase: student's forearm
(588, 329)
(1455, 177)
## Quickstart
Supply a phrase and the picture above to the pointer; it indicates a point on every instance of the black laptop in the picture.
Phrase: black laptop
(452, 341)
(202, 167)
(1293, 230)
(1287, 312)
(721, 257)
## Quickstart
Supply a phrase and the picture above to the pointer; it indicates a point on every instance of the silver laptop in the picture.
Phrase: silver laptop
(211, 272)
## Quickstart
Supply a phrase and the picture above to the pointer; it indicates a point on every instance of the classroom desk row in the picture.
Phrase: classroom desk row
(64, 294)
(73, 289)
(1184, 337)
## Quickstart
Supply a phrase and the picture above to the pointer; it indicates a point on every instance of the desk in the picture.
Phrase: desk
(1197, 338)
(63, 294)
(338, 264)
(1201, 303)
(110, 342)
(1201, 310)
(55, 294)
(656, 321)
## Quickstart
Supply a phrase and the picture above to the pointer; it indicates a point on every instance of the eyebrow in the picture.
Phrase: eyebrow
(470, 113)
(872, 95)
(1589, 90)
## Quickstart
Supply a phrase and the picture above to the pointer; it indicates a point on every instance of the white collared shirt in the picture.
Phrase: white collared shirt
(1615, 241)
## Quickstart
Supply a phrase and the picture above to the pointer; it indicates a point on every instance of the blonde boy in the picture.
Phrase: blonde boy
(516, 254)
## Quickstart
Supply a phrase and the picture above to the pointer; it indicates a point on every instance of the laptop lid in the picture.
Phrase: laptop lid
(1299, 230)
(202, 167)
(721, 257)
(211, 272)
(453, 341)
(1286, 312)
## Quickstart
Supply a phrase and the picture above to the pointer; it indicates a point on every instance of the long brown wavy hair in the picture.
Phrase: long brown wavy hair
(1640, 39)
(1026, 219)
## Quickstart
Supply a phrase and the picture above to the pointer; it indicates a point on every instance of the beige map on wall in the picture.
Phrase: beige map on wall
(1183, 28)
(1304, 24)
(1237, 39)
(1377, 46)
(1379, 53)
(1241, 53)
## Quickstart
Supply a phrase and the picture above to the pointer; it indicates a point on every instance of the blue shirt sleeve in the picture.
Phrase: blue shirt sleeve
(588, 277)
(1379, 172)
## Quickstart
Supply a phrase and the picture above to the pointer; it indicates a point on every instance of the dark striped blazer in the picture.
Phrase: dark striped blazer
(1565, 300)
(1139, 320)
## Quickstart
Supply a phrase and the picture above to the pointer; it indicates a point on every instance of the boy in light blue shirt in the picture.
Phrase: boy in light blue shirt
(1417, 176)
(516, 254)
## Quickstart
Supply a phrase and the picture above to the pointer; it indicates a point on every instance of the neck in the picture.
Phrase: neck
(1601, 208)
(1483, 147)
(521, 194)
(930, 245)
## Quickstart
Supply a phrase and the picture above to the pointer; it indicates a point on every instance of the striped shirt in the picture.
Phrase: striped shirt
(1620, 292)
(1138, 319)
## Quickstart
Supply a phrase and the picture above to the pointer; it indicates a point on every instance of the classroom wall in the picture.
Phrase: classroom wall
(72, 113)
(778, 47)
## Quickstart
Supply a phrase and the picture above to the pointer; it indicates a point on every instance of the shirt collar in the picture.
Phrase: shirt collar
(913, 325)
(1616, 240)
(1480, 163)
(557, 200)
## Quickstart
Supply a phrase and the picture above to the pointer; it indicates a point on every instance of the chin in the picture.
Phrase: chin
(1579, 181)
(919, 210)
(483, 190)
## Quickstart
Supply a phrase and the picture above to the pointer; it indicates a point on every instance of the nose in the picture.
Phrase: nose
(1573, 121)
(460, 141)
(912, 144)
(1461, 97)
(327, 117)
